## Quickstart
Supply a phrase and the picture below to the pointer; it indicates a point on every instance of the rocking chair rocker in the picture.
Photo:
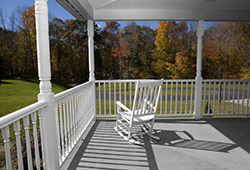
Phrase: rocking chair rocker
(142, 114)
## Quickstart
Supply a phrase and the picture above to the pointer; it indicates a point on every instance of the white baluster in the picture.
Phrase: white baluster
(214, 98)
(219, 98)
(77, 117)
(248, 91)
(130, 94)
(73, 119)
(69, 124)
(57, 130)
(238, 98)
(243, 97)
(224, 92)
(115, 97)
(42, 137)
(61, 127)
(166, 98)
(228, 97)
(104, 94)
(204, 98)
(161, 103)
(6, 140)
(171, 98)
(209, 97)
(191, 101)
(125, 100)
(181, 97)
(186, 97)
(233, 98)
(100, 106)
(34, 122)
(17, 129)
(65, 114)
(109, 98)
(120, 93)
(176, 96)
(26, 124)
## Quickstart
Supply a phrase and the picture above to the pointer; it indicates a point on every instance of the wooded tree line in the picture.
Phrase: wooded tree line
(129, 53)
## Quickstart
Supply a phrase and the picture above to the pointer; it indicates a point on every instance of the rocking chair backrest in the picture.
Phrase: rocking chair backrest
(147, 94)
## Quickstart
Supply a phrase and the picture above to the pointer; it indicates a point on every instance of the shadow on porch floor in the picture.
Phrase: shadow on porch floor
(211, 144)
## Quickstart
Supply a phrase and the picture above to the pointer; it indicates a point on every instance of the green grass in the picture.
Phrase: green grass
(16, 94)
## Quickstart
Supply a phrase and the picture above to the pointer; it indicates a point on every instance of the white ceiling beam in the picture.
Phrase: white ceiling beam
(157, 15)
(80, 9)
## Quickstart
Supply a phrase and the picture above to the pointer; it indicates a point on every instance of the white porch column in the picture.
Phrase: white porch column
(91, 49)
(48, 117)
(198, 78)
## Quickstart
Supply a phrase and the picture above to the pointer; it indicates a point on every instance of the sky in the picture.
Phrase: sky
(8, 6)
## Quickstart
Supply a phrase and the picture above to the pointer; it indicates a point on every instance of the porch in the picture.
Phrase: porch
(53, 132)
(214, 144)
(83, 122)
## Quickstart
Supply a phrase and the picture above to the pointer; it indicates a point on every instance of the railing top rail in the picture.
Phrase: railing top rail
(73, 89)
(226, 80)
(19, 114)
(179, 80)
(134, 80)
(114, 81)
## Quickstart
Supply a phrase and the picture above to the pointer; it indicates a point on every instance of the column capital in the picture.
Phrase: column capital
(200, 28)
(90, 28)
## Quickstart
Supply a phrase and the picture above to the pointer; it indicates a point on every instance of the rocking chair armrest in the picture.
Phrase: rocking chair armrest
(119, 104)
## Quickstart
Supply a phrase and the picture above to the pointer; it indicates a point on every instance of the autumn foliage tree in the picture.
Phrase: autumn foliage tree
(27, 43)
(132, 52)
(119, 52)
(109, 40)
(163, 67)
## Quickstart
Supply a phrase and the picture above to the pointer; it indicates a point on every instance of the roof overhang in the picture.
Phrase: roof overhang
(156, 10)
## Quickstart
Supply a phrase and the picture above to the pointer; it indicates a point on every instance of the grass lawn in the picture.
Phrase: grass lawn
(16, 94)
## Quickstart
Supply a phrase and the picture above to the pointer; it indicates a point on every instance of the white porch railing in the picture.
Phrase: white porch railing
(16, 132)
(74, 111)
(177, 99)
(77, 107)
(225, 98)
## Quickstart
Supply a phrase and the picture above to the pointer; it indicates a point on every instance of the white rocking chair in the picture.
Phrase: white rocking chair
(143, 112)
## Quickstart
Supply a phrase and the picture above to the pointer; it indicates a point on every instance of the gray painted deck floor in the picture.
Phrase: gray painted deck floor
(209, 144)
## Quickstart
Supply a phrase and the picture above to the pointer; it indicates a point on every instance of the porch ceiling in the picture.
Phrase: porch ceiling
(132, 10)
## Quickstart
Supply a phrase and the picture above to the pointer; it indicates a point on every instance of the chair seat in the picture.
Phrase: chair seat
(143, 118)
(138, 118)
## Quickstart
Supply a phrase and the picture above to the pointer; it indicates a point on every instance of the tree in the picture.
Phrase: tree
(147, 41)
(110, 39)
(27, 43)
(241, 33)
(132, 40)
(184, 41)
(163, 59)
(139, 42)
(8, 48)
(119, 52)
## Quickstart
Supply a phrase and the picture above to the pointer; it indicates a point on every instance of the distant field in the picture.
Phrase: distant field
(16, 94)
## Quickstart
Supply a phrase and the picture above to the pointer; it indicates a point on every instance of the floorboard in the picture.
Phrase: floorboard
(209, 144)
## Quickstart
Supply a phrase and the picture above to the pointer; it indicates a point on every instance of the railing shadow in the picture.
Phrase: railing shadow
(183, 139)
(237, 130)
(104, 149)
